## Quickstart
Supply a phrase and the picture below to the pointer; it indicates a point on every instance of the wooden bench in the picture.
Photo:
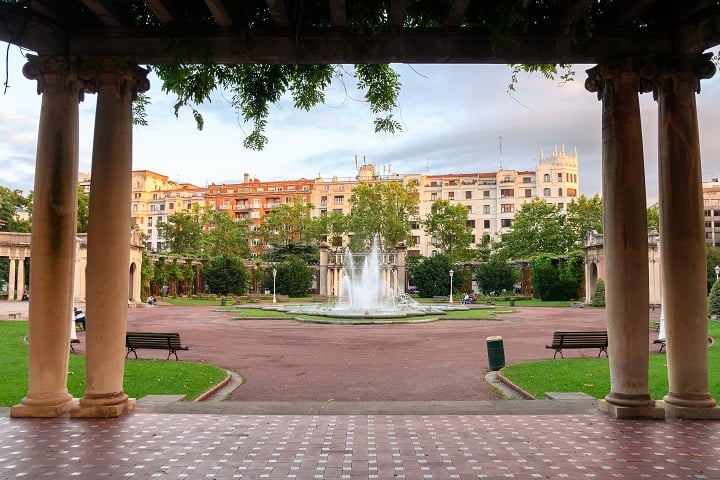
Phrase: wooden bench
(152, 340)
(440, 298)
(580, 339)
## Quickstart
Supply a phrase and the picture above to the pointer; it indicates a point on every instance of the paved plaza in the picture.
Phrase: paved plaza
(266, 431)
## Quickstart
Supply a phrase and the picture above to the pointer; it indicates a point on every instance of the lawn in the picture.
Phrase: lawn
(142, 377)
(592, 375)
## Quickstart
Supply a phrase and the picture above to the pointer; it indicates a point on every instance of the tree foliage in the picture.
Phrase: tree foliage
(539, 227)
(583, 215)
(225, 275)
(598, 298)
(653, 218)
(431, 276)
(495, 276)
(205, 232)
(294, 278)
(384, 210)
(286, 223)
(714, 299)
(253, 88)
(712, 259)
(83, 212)
(10, 202)
(557, 278)
(446, 223)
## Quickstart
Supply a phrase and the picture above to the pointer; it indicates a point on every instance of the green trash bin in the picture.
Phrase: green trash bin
(496, 352)
(222, 301)
(512, 302)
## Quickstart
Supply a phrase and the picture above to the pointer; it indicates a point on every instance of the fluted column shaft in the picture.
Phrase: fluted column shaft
(116, 82)
(682, 234)
(54, 223)
(625, 239)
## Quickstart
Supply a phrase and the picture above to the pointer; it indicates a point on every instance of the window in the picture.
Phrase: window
(414, 225)
(469, 207)
(546, 192)
(559, 192)
(559, 177)
(135, 207)
(339, 199)
(546, 177)
(486, 208)
(527, 179)
(506, 223)
(149, 221)
(451, 195)
(470, 223)
(162, 207)
(341, 187)
(433, 197)
(486, 193)
(717, 224)
(507, 192)
(468, 195)
(254, 255)
(323, 200)
(255, 242)
(159, 219)
(138, 185)
(560, 205)
(528, 192)
(507, 208)
(155, 197)
(486, 223)
(138, 195)
(416, 240)
(189, 206)
(507, 179)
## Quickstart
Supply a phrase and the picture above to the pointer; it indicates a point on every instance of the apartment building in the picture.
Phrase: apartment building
(154, 198)
(711, 200)
(252, 200)
(492, 198)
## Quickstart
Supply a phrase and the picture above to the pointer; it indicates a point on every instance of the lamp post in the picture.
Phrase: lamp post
(274, 275)
(717, 272)
(451, 286)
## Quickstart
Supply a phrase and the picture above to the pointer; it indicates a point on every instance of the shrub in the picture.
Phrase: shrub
(598, 298)
(714, 299)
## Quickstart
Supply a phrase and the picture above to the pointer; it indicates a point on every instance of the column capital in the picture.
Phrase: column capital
(117, 72)
(51, 70)
(686, 70)
(605, 76)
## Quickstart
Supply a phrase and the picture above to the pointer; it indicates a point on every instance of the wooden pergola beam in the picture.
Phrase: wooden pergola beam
(219, 13)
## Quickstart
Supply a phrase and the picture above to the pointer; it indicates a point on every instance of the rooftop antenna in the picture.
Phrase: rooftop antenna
(500, 146)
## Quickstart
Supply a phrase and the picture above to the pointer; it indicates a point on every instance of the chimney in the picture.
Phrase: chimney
(246, 178)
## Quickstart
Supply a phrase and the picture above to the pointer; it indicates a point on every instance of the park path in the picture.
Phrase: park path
(284, 360)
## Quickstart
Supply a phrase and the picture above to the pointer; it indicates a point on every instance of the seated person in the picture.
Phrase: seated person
(79, 317)
(151, 301)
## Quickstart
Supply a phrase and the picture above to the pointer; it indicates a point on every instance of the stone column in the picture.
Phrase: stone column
(54, 223)
(625, 241)
(21, 277)
(682, 235)
(11, 280)
(116, 81)
(401, 250)
(324, 259)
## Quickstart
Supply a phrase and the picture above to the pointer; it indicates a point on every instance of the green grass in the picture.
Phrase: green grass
(592, 375)
(142, 377)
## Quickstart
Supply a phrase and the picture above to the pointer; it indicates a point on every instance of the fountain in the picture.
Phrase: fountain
(367, 293)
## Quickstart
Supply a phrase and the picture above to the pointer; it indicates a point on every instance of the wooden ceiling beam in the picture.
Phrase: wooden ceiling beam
(456, 13)
(427, 46)
(338, 12)
(105, 12)
(160, 10)
(572, 10)
(220, 13)
(630, 11)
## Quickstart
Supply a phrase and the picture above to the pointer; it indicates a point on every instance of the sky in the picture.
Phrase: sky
(455, 119)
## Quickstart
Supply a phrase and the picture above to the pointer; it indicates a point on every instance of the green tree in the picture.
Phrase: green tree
(383, 210)
(183, 232)
(307, 253)
(714, 299)
(294, 278)
(598, 298)
(557, 278)
(539, 227)
(653, 217)
(431, 276)
(326, 227)
(83, 210)
(584, 214)
(10, 202)
(446, 224)
(713, 260)
(225, 275)
(226, 236)
(495, 276)
(253, 88)
(286, 223)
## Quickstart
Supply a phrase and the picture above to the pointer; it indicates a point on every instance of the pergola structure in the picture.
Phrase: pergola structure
(95, 46)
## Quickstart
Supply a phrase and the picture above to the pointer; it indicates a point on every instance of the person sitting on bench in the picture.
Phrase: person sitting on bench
(79, 318)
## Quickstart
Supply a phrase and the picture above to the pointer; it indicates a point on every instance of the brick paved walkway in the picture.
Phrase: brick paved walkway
(452, 443)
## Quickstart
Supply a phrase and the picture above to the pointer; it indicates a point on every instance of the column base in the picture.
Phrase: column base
(104, 406)
(652, 411)
(42, 410)
(693, 407)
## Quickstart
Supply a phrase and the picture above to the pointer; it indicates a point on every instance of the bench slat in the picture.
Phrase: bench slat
(579, 339)
(169, 341)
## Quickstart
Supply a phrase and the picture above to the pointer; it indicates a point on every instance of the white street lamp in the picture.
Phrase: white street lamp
(274, 275)
(717, 272)
(451, 289)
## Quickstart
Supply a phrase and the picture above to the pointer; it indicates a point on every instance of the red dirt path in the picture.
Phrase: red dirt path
(283, 360)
